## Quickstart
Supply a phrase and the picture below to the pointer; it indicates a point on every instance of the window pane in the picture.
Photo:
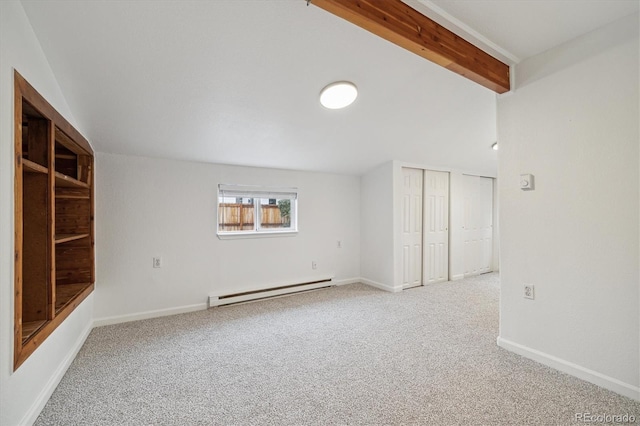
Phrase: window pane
(235, 214)
(276, 213)
(255, 209)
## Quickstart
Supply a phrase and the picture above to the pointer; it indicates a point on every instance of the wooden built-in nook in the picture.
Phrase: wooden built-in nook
(54, 226)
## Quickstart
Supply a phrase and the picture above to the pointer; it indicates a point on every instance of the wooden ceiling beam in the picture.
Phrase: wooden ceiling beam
(398, 23)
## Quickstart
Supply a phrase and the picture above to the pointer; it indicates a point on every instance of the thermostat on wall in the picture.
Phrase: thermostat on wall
(526, 182)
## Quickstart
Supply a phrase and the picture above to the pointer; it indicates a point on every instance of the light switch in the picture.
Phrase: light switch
(526, 182)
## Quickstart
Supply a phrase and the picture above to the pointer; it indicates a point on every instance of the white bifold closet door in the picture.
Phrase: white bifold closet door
(478, 225)
(436, 227)
(412, 188)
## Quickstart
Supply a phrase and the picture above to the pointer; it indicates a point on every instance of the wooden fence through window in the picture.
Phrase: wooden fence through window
(239, 217)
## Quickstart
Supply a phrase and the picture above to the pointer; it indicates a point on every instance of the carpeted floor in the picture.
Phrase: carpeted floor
(341, 356)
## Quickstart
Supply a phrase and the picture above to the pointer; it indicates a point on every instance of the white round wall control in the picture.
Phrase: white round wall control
(526, 182)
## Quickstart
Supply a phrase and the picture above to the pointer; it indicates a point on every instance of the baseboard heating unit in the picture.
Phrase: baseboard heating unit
(227, 299)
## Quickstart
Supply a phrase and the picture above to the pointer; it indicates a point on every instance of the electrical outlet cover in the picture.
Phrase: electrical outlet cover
(529, 291)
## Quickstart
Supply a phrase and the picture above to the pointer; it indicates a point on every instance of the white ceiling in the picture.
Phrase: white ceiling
(237, 82)
(524, 28)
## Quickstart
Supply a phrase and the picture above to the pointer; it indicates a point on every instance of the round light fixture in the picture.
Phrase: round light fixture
(494, 146)
(338, 95)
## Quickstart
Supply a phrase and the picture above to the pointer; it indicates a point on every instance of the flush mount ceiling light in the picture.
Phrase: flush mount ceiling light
(494, 146)
(338, 95)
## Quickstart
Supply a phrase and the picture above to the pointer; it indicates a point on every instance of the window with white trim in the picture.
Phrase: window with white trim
(252, 210)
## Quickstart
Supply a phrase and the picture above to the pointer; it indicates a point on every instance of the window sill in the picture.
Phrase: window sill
(263, 234)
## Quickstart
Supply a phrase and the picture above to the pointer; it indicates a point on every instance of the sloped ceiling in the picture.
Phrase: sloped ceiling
(237, 82)
(525, 28)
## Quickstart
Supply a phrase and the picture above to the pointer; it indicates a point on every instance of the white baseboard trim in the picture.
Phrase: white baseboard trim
(457, 277)
(347, 281)
(42, 399)
(381, 286)
(148, 314)
(578, 371)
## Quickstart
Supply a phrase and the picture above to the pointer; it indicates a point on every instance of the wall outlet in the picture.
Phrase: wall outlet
(529, 291)
(314, 265)
(339, 244)
(157, 262)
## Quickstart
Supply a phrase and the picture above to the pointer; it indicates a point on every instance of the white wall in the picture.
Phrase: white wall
(572, 121)
(150, 207)
(24, 392)
(377, 232)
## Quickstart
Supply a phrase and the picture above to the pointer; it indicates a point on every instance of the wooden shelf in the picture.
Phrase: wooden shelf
(69, 182)
(31, 167)
(54, 227)
(66, 156)
(72, 193)
(67, 292)
(30, 328)
(73, 196)
(65, 238)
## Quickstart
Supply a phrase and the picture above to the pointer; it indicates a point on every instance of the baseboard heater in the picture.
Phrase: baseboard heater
(227, 299)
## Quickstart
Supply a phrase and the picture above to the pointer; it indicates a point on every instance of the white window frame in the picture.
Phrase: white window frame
(258, 192)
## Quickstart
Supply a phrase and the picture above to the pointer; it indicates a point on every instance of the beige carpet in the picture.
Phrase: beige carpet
(342, 356)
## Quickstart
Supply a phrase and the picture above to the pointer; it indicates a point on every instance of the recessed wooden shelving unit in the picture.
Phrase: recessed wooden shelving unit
(54, 259)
